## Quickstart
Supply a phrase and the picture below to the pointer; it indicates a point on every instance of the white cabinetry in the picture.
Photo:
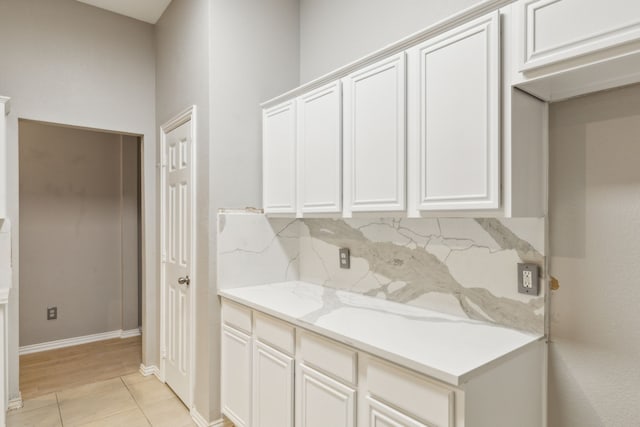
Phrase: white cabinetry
(320, 150)
(324, 401)
(279, 158)
(454, 119)
(272, 387)
(557, 30)
(338, 385)
(374, 137)
(236, 383)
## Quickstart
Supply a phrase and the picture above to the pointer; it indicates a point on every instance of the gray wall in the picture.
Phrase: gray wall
(78, 223)
(224, 56)
(70, 63)
(594, 375)
(182, 80)
(334, 33)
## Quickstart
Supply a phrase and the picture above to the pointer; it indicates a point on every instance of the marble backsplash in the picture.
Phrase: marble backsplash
(461, 266)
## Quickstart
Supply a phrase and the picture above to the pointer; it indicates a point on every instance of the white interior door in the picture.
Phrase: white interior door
(178, 258)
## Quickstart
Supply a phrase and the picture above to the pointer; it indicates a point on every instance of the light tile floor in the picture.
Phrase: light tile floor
(132, 400)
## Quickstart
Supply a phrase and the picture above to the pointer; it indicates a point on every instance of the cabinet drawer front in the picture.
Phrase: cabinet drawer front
(409, 393)
(275, 333)
(279, 158)
(236, 315)
(556, 30)
(330, 357)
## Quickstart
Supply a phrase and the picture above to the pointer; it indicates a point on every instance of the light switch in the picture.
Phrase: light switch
(345, 258)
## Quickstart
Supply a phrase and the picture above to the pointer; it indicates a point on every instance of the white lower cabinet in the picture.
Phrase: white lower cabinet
(236, 378)
(272, 387)
(324, 401)
(280, 375)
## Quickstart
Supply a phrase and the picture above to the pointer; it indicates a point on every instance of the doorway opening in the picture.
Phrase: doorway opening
(80, 248)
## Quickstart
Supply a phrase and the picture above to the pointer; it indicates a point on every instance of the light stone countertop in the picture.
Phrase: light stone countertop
(449, 348)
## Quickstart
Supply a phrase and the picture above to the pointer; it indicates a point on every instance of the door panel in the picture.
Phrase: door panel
(272, 387)
(324, 401)
(374, 137)
(236, 376)
(177, 254)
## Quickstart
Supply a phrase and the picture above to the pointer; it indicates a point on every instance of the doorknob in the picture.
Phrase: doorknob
(184, 280)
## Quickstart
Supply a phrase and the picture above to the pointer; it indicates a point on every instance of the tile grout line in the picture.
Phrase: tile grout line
(59, 410)
(135, 400)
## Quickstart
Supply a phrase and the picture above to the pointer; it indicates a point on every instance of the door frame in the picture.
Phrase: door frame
(185, 116)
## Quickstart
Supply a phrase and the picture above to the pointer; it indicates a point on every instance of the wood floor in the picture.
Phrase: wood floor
(65, 368)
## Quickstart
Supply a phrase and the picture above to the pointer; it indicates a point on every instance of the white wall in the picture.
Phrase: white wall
(78, 232)
(70, 63)
(594, 375)
(334, 33)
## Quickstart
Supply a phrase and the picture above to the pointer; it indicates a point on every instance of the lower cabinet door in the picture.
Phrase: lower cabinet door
(324, 401)
(272, 387)
(236, 376)
(381, 415)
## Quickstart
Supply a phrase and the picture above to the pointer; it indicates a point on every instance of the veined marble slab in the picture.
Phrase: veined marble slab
(449, 348)
(461, 266)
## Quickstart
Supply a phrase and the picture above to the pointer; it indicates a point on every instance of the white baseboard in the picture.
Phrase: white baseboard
(131, 333)
(202, 422)
(149, 370)
(68, 342)
(15, 403)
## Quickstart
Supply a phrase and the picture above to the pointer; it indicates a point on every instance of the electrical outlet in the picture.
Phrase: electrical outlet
(345, 258)
(52, 313)
(528, 282)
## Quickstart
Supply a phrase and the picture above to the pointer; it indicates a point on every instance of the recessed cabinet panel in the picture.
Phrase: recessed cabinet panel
(374, 134)
(320, 150)
(236, 380)
(454, 118)
(324, 401)
(381, 415)
(279, 158)
(272, 388)
(556, 30)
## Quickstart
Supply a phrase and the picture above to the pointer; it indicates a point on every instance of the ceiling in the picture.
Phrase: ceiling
(144, 10)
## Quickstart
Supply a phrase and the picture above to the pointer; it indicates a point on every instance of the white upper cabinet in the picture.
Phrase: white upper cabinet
(454, 119)
(279, 158)
(320, 150)
(374, 137)
(556, 30)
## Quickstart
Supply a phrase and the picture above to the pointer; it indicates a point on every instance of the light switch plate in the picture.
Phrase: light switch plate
(528, 281)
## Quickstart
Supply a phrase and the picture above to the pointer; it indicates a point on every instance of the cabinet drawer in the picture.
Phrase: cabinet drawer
(413, 395)
(236, 315)
(328, 356)
(274, 332)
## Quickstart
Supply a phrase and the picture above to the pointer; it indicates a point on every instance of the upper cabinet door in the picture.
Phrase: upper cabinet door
(555, 30)
(454, 117)
(279, 158)
(320, 150)
(374, 135)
